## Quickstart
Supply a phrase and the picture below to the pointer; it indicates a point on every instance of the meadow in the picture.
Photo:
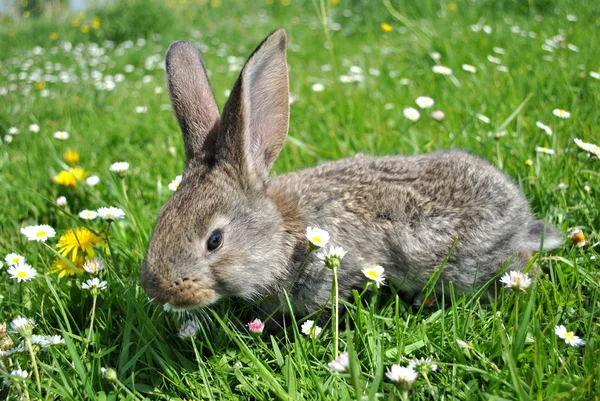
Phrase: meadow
(86, 125)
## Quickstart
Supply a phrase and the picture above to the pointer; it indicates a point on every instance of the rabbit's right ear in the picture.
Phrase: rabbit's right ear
(193, 100)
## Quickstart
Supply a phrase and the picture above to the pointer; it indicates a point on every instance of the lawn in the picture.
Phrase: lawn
(515, 82)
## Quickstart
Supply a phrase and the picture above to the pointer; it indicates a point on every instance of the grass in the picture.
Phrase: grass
(510, 351)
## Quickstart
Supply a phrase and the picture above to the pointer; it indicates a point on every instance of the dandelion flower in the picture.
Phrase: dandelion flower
(310, 329)
(92, 180)
(62, 135)
(38, 233)
(588, 147)
(386, 27)
(256, 326)
(78, 240)
(94, 284)
(22, 272)
(341, 364)
(317, 237)
(543, 149)
(71, 157)
(424, 102)
(442, 70)
(175, 183)
(70, 178)
(189, 329)
(93, 266)
(561, 113)
(544, 127)
(23, 326)
(63, 268)
(14, 259)
(412, 114)
(375, 273)
(402, 376)
(318, 87)
(88, 214)
(516, 280)
(111, 213)
(119, 167)
(332, 257)
(529, 162)
(423, 365)
(469, 68)
(569, 336)
(578, 237)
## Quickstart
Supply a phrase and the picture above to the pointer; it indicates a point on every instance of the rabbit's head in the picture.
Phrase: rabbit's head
(219, 234)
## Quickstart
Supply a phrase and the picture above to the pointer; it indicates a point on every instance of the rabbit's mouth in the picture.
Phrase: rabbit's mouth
(181, 294)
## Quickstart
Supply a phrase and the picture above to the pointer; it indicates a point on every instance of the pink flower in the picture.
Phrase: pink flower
(256, 326)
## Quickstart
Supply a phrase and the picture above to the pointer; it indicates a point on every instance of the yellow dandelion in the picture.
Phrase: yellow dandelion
(40, 85)
(71, 157)
(53, 36)
(76, 241)
(529, 162)
(215, 3)
(71, 177)
(96, 23)
(63, 268)
(85, 28)
(334, 2)
(386, 27)
(452, 6)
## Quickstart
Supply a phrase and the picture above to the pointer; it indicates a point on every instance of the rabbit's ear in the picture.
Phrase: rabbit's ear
(193, 100)
(257, 113)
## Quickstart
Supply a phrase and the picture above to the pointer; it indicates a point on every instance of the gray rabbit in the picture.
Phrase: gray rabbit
(232, 230)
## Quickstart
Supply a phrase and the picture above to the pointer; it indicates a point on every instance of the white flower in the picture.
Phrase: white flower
(21, 374)
(14, 259)
(595, 74)
(483, 118)
(34, 128)
(588, 147)
(435, 56)
(175, 183)
(440, 69)
(438, 115)
(469, 68)
(464, 344)
(111, 213)
(423, 365)
(544, 127)
(317, 237)
(341, 364)
(424, 102)
(412, 114)
(22, 325)
(141, 109)
(493, 59)
(516, 280)
(62, 135)
(94, 283)
(119, 167)
(93, 266)
(92, 180)
(569, 337)
(403, 376)
(561, 113)
(318, 87)
(375, 273)
(332, 257)
(38, 233)
(577, 236)
(189, 329)
(310, 329)
(543, 149)
(61, 201)
(498, 50)
(13, 131)
(88, 214)
(54, 340)
(8, 138)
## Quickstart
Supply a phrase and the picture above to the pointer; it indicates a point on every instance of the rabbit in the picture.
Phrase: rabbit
(233, 230)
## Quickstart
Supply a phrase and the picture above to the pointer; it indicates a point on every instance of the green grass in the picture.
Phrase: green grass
(512, 352)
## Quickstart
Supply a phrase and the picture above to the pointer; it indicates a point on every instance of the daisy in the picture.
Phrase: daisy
(483, 118)
(440, 69)
(94, 284)
(412, 114)
(78, 240)
(569, 337)
(516, 280)
(62, 135)
(341, 364)
(332, 257)
(499, 50)
(310, 329)
(93, 266)
(424, 102)
(92, 180)
(111, 213)
(38, 233)
(423, 365)
(141, 109)
(561, 113)
(22, 272)
(493, 59)
(23, 326)
(61, 201)
(175, 183)
(109, 374)
(544, 127)
(34, 128)
(14, 259)
(119, 167)
(588, 147)
(402, 376)
(13, 131)
(318, 87)
(438, 115)
(256, 326)
(21, 374)
(469, 68)
(578, 237)
(375, 273)
(595, 74)
(189, 329)
(543, 149)
(318, 238)
(88, 214)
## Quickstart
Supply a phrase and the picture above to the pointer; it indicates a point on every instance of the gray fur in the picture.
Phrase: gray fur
(401, 212)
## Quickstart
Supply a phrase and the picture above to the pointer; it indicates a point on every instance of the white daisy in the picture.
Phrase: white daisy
(440, 69)
(38, 233)
(94, 284)
(543, 149)
(438, 115)
(88, 214)
(569, 337)
(375, 273)
(561, 113)
(332, 257)
(61, 201)
(588, 147)
(189, 329)
(318, 87)
(310, 329)
(119, 167)
(14, 259)
(483, 118)
(595, 74)
(493, 59)
(22, 325)
(92, 180)
(111, 213)
(424, 102)
(341, 364)
(62, 135)
(34, 128)
(423, 365)
(13, 131)
(516, 280)
(403, 376)
(317, 237)
(412, 114)
(175, 183)
(544, 127)
(469, 68)
(21, 374)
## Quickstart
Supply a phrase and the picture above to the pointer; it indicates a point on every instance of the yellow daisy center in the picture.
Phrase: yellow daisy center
(15, 260)
(561, 112)
(570, 336)
(372, 274)
(40, 234)
(22, 274)
(109, 214)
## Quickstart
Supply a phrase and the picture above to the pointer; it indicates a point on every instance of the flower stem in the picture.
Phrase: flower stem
(126, 389)
(310, 251)
(35, 367)
(336, 314)
(89, 336)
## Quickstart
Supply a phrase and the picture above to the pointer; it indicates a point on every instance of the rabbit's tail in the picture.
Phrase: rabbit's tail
(540, 236)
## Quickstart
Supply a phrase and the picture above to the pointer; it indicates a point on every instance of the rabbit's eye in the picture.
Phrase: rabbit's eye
(214, 241)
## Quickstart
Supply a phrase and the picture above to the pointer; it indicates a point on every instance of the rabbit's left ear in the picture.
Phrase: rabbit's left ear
(256, 116)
